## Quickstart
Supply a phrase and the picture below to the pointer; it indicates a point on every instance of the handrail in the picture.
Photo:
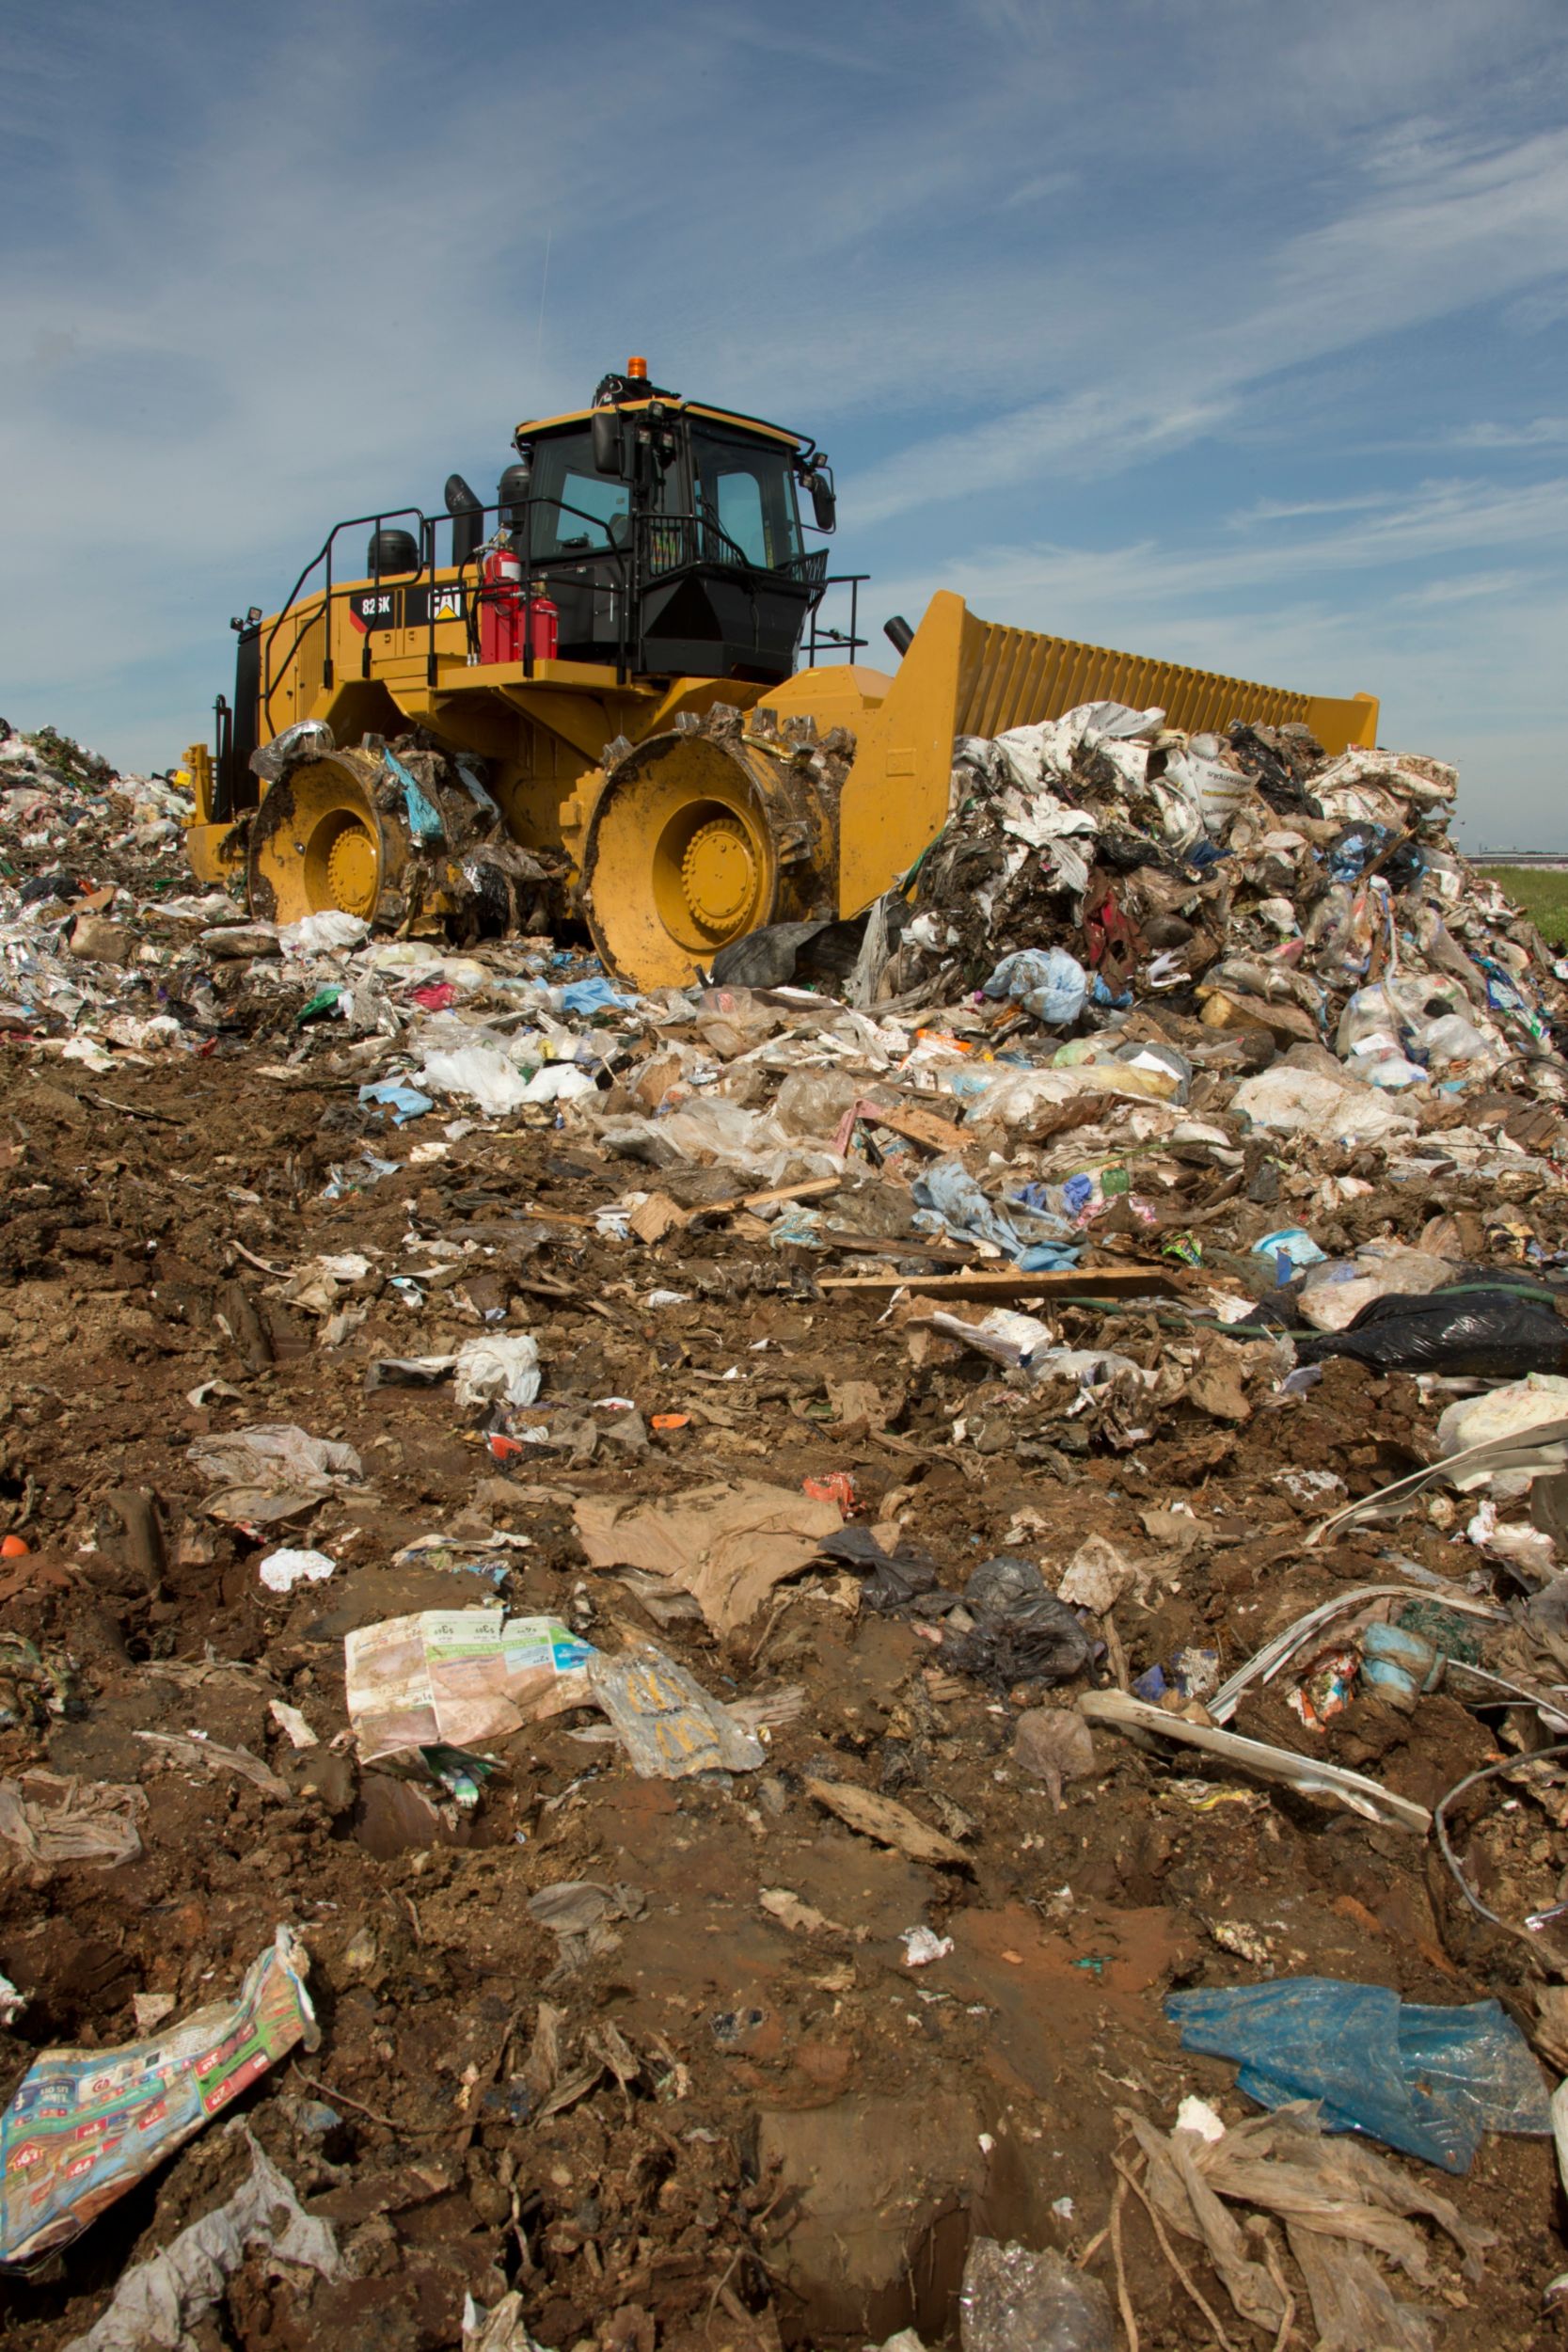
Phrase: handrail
(324, 555)
(697, 536)
(853, 640)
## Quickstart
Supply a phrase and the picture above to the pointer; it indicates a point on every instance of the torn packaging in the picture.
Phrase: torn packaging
(457, 1677)
(132, 2107)
(666, 1721)
(157, 2301)
(273, 1471)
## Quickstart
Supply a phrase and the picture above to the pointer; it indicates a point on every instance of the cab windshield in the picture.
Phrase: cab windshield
(745, 498)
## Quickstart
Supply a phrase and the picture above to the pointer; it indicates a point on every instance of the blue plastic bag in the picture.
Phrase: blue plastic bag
(1046, 982)
(424, 818)
(396, 1095)
(593, 995)
(948, 1200)
(1427, 2081)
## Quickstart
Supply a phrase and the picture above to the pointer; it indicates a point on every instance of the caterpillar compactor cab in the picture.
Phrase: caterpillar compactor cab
(583, 697)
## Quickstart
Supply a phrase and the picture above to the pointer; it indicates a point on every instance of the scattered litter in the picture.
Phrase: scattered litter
(281, 1571)
(274, 1472)
(504, 1368)
(728, 1546)
(1013, 2301)
(889, 1824)
(1341, 2206)
(49, 1819)
(157, 2301)
(665, 1721)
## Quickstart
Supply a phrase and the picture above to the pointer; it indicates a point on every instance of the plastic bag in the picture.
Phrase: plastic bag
(1287, 1097)
(503, 1365)
(323, 934)
(1021, 1632)
(1047, 982)
(1428, 2081)
(1529, 1403)
(481, 1073)
(949, 1193)
(1016, 1097)
(1015, 2300)
(157, 2301)
(308, 739)
(815, 1101)
(1331, 1301)
(1488, 1331)
(560, 1082)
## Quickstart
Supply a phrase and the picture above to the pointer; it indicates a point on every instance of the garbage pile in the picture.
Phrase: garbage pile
(875, 1654)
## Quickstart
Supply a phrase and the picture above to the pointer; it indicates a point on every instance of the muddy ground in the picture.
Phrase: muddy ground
(779, 2133)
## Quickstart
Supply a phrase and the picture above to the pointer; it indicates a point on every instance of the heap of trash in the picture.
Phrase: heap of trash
(866, 1655)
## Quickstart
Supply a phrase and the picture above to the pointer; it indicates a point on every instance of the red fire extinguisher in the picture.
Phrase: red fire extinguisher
(501, 606)
(544, 621)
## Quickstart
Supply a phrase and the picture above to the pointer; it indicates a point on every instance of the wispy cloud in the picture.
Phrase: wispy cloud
(1539, 433)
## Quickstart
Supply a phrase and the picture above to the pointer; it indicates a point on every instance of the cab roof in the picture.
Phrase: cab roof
(683, 408)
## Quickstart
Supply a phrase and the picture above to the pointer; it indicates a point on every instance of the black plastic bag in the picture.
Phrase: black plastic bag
(1489, 1330)
(903, 1579)
(791, 954)
(1022, 1633)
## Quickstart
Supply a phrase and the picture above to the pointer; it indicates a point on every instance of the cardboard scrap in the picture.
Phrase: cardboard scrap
(726, 1544)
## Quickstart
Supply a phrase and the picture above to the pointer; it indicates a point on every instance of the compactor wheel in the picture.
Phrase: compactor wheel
(320, 842)
(679, 858)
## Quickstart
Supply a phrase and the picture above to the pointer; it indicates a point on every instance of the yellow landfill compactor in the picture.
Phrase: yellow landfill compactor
(583, 699)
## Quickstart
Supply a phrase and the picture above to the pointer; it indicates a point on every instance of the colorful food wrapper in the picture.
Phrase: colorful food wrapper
(453, 1677)
(85, 2126)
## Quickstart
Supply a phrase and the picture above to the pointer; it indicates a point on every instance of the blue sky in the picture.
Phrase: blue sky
(1222, 329)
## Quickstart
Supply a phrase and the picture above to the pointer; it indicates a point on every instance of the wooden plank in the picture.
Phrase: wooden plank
(1129, 1281)
(915, 1125)
(881, 1245)
(815, 1188)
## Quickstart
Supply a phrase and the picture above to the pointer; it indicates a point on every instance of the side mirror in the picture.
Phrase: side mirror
(605, 430)
(824, 506)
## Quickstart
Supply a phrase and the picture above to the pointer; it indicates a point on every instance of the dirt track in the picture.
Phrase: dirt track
(803, 2103)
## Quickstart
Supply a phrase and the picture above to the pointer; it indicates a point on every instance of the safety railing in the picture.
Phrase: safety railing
(656, 545)
(820, 637)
